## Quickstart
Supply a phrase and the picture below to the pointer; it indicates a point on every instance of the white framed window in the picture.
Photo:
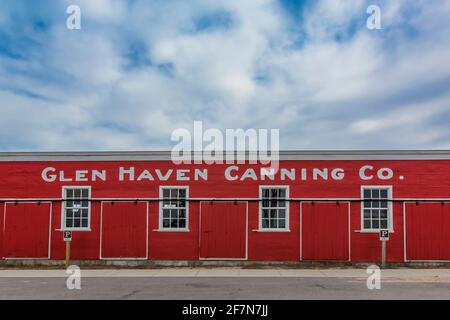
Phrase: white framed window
(76, 208)
(376, 209)
(273, 208)
(173, 209)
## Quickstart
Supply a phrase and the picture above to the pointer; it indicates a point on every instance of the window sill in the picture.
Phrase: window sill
(271, 230)
(373, 231)
(75, 229)
(171, 230)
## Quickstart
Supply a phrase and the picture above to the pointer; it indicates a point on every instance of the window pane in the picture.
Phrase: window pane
(182, 213)
(366, 214)
(182, 223)
(69, 193)
(383, 214)
(375, 193)
(383, 193)
(265, 213)
(77, 193)
(282, 223)
(69, 213)
(76, 223)
(174, 214)
(265, 223)
(84, 213)
(166, 193)
(166, 213)
(166, 223)
(273, 203)
(366, 224)
(375, 204)
(375, 214)
(69, 223)
(273, 214)
(383, 223)
(282, 193)
(273, 223)
(85, 193)
(367, 193)
(375, 224)
(367, 204)
(85, 204)
(282, 213)
(384, 204)
(76, 213)
(273, 193)
(182, 193)
(84, 223)
(174, 223)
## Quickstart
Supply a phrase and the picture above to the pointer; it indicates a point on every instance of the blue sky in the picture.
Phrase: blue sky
(139, 69)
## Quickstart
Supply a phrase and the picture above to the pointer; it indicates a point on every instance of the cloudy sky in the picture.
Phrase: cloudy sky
(139, 69)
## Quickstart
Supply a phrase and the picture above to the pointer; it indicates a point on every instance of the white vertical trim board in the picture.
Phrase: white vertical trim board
(301, 231)
(404, 232)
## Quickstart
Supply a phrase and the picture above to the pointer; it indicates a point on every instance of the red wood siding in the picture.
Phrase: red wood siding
(85, 244)
(428, 231)
(124, 230)
(173, 245)
(276, 246)
(2, 209)
(223, 231)
(366, 246)
(26, 230)
(412, 179)
(325, 231)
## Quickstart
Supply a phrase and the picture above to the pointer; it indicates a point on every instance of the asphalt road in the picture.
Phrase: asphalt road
(259, 286)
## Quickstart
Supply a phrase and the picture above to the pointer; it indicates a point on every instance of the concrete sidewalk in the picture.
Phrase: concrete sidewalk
(393, 274)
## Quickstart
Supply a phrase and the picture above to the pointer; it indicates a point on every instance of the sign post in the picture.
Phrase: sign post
(384, 236)
(68, 240)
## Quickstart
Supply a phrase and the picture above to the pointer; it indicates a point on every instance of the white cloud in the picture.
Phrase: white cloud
(361, 91)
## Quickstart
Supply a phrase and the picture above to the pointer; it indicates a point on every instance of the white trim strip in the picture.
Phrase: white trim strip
(283, 155)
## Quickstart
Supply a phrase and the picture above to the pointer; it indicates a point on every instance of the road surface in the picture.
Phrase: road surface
(230, 284)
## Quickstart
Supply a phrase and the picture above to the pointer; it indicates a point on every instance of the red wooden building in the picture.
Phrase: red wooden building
(319, 205)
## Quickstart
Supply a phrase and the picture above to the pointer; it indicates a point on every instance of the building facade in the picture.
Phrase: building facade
(318, 205)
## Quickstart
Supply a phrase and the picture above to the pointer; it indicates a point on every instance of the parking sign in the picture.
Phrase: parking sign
(384, 235)
(67, 235)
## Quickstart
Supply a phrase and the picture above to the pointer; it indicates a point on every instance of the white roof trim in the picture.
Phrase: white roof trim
(284, 155)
